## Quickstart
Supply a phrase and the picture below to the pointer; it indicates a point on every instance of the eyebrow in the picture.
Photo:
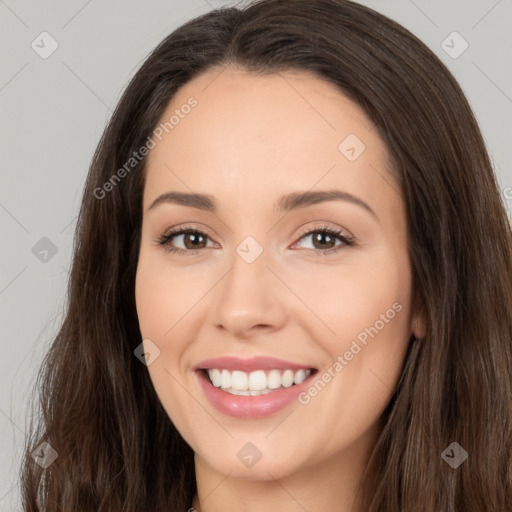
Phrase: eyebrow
(284, 204)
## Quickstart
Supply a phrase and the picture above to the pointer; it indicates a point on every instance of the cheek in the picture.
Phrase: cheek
(369, 311)
(349, 298)
(159, 308)
(162, 297)
(152, 302)
(366, 308)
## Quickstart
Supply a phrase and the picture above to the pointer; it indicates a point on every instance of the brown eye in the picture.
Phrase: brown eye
(324, 240)
(191, 240)
(194, 240)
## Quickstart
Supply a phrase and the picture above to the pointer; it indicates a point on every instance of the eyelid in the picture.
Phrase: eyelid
(187, 227)
(321, 226)
(163, 240)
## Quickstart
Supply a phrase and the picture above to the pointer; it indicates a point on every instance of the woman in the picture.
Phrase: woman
(209, 359)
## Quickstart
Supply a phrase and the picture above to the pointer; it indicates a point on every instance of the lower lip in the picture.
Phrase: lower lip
(251, 407)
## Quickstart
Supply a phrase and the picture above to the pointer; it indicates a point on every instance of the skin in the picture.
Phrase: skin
(250, 140)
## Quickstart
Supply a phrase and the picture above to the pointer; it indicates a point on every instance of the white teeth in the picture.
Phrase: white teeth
(257, 382)
(300, 376)
(247, 393)
(274, 379)
(225, 379)
(287, 378)
(215, 376)
(239, 381)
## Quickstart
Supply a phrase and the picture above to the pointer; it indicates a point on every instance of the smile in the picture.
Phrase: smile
(252, 388)
(255, 383)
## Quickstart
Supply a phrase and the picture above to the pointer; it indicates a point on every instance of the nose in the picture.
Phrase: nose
(250, 299)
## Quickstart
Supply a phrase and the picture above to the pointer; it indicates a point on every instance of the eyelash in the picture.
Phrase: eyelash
(164, 240)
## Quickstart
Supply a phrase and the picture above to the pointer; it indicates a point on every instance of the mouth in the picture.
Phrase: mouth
(255, 383)
(253, 388)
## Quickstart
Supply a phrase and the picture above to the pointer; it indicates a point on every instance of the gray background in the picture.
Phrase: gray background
(53, 113)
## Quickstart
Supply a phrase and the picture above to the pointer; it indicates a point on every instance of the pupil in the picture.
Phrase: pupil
(193, 237)
(318, 238)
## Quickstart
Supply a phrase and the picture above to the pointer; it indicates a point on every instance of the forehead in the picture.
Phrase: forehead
(262, 135)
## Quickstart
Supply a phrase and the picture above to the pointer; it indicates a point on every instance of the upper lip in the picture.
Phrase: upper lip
(251, 364)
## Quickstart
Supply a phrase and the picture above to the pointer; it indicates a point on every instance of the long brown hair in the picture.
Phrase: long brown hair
(117, 448)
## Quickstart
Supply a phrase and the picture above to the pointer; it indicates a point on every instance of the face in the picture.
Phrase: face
(278, 307)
